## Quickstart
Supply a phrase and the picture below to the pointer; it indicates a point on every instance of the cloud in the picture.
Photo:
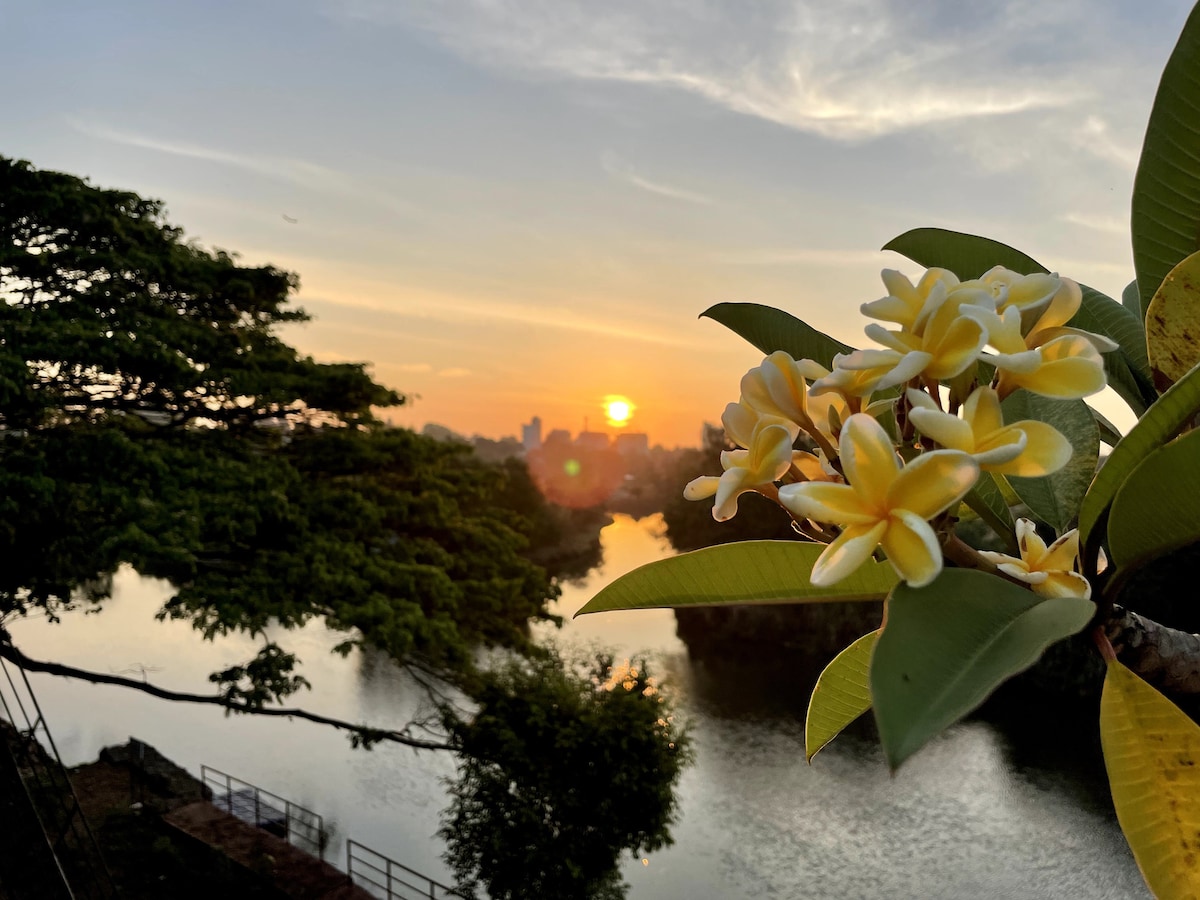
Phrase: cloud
(454, 373)
(848, 70)
(417, 368)
(312, 176)
(1105, 224)
(799, 256)
(622, 171)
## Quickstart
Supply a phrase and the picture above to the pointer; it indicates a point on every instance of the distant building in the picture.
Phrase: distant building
(632, 444)
(531, 434)
(592, 440)
(558, 437)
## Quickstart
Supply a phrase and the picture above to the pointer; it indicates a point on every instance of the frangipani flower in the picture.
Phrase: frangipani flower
(1046, 303)
(777, 387)
(908, 305)
(740, 420)
(946, 341)
(768, 458)
(1062, 362)
(1050, 571)
(860, 373)
(883, 504)
(1027, 448)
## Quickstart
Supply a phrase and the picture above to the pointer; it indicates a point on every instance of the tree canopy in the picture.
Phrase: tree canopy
(150, 415)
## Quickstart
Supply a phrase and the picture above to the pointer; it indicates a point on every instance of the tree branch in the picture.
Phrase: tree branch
(364, 733)
(1164, 657)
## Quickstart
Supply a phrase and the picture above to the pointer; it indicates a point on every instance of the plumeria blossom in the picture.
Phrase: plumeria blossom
(860, 373)
(1050, 571)
(777, 387)
(883, 504)
(1027, 448)
(740, 420)
(1067, 365)
(946, 340)
(767, 459)
(908, 305)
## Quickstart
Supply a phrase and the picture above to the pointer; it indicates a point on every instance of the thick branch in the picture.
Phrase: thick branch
(364, 732)
(1164, 657)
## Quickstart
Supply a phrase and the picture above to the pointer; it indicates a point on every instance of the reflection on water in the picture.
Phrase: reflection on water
(974, 814)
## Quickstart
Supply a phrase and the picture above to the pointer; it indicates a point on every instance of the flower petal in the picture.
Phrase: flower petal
(868, 458)
(823, 501)
(701, 488)
(731, 485)
(949, 431)
(982, 410)
(1046, 451)
(912, 548)
(1064, 584)
(933, 482)
(846, 552)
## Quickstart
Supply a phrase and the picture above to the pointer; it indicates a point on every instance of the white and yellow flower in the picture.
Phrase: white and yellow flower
(909, 305)
(1050, 571)
(1027, 448)
(883, 504)
(767, 459)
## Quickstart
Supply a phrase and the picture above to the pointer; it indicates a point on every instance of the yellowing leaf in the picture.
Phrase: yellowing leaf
(842, 694)
(1173, 324)
(1152, 752)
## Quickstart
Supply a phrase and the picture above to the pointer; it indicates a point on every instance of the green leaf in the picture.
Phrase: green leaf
(1131, 299)
(987, 501)
(1160, 423)
(1142, 525)
(1166, 190)
(1055, 499)
(841, 695)
(1173, 324)
(966, 255)
(1109, 433)
(1152, 754)
(945, 647)
(1127, 369)
(771, 329)
(745, 572)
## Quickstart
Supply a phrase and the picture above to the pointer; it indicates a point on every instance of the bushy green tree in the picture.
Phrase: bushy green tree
(561, 772)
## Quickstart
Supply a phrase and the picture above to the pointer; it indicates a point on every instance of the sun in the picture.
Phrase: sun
(618, 410)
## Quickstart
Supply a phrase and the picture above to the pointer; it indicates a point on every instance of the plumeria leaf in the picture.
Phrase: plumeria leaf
(1166, 191)
(746, 572)
(1160, 424)
(987, 501)
(966, 255)
(1131, 299)
(1128, 368)
(1173, 324)
(1152, 753)
(771, 329)
(841, 695)
(945, 647)
(1109, 433)
(1055, 498)
(1141, 525)
(969, 256)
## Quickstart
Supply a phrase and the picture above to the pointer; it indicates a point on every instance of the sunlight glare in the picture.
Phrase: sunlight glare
(618, 410)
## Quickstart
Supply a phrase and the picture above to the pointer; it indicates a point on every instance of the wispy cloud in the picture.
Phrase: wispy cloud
(416, 368)
(1105, 224)
(454, 372)
(302, 173)
(799, 256)
(617, 168)
(847, 70)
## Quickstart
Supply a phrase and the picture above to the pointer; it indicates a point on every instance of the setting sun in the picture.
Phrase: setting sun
(618, 410)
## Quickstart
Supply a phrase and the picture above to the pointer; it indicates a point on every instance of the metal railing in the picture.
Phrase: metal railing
(389, 880)
(49, 790)
(270, 812)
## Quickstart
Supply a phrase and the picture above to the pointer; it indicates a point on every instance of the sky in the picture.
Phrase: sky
(514, 208)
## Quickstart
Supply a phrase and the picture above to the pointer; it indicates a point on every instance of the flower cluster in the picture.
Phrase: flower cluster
(879, 452)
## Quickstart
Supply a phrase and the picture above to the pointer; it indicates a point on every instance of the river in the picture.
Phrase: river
(973, 815)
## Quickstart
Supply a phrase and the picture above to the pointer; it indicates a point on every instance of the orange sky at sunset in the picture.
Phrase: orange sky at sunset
(518, 209)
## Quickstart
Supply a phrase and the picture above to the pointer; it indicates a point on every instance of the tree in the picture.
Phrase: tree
(150, 415)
